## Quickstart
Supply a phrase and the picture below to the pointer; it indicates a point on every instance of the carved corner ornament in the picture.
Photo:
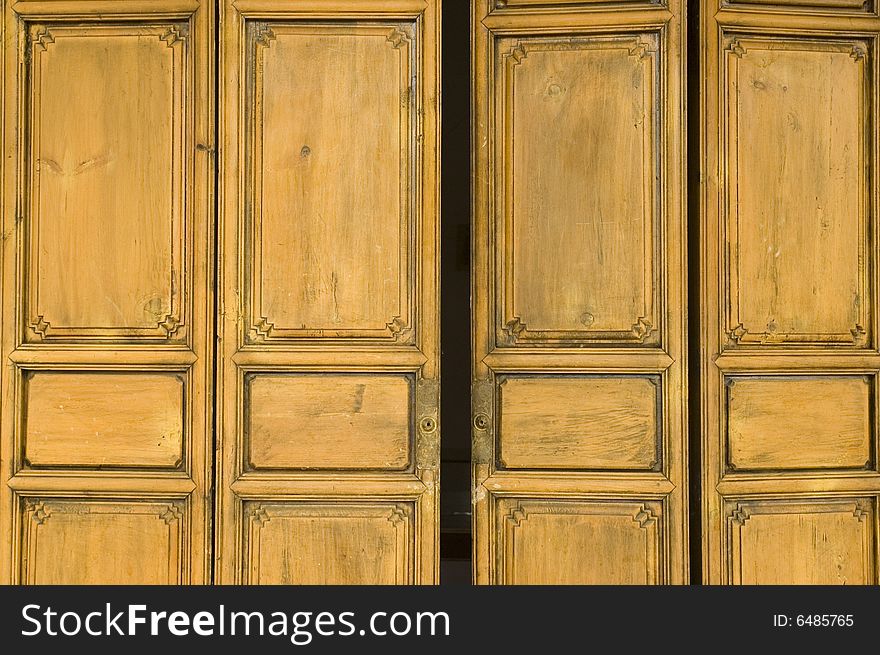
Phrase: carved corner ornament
(859, 335)
(517, 515)
(41, 37)
(642, 328)
(517, 54)
(399, 329)
(645, 517)
(859, 52)
(736, 48)
(739, 515)
(170, 325)
(39, 326)
(259, 515)
(262, 329)
(398, 38)
(171, 514)
(398, 516)
(736, 333)
(39, 512)
(263, 34)
(862, 510)
(175, 33)
(640, 49)
(513, 329)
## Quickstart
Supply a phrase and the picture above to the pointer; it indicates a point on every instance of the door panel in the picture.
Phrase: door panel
(329, 404)
(790, 359)
(314, 543)
(107, 260)
(579, 441)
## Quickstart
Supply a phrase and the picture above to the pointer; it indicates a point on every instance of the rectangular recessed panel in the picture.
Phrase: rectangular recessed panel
(798, 179)
(583, 422)
(321, 543)
(97, 420)
(333, 198)
(794, 542)
(106, 191)
(799, 422)
(86, 541)
(579, 188)
(328, 421)
(578, 541)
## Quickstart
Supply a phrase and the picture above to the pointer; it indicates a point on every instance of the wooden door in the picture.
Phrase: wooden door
(328, 404)
(579, 454)
(107, 302)
(790, 356)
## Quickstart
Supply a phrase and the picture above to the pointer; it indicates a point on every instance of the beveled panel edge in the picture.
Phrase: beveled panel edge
(650, 513)
(655, 379)
(733, 336)
(253, 515)
(20, 469)
(183, 464)
(400, 330)
(871, 466)
(176, 511)
(174, 330)
(737, 512)
(508, 331)
(423, 406)
(415, 421)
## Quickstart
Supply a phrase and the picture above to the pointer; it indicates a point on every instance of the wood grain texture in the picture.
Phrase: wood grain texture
(790, 542)
(329, 421)
(797, 164)
(107, 286)
(104, 420)
(601, 93)
(579, 423)
(103, 542)
(578, 296)
(789, 293)
(329, 543)
(332, 260)
(782, 423)
(328, 409)
(130, 84)
(578, 542)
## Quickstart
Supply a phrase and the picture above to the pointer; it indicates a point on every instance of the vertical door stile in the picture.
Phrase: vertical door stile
(579, 278)
(328, 438)
(789, 340)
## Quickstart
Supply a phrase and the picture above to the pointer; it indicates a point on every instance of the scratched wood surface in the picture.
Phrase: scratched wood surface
(789, 356)
(579, 423)
(579, 444)
(329, 421)
(107, 285)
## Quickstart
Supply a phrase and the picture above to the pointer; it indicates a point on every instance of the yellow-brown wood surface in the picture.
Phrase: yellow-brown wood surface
(579, 457)
(789, 290)
(329, 382)
(107, 342)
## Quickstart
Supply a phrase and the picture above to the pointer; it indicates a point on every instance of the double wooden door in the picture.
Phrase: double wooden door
(220, 347)
(255, 395)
